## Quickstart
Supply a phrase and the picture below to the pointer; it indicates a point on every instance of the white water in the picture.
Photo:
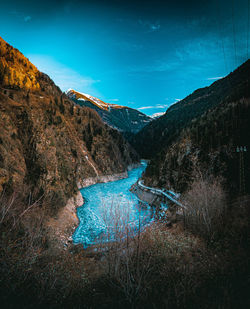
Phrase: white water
(108, 205)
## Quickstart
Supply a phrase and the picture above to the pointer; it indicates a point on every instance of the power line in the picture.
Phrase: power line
(221, 35)
(233, 23)
(248, 25)
(240, 150)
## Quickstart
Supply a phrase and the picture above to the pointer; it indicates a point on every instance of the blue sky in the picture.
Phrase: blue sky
(143, 54)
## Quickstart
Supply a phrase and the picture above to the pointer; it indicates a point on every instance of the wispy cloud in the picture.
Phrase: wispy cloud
(155, 27)
(215, 78)
(145, 107)
(113, 100)
(27, 18)
(64, 76)
(21, 15)
(161, 106)
(192, 54)
(155, 115)
(150, 26)
(154, 106)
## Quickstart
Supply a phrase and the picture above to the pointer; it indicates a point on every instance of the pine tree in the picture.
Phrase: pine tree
(1, 71)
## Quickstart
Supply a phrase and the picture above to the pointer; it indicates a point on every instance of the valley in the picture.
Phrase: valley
(102, 206)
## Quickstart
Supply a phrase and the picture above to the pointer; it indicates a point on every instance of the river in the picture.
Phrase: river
(110, 208)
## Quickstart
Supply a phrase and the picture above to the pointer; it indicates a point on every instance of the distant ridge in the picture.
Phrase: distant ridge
(86, 97)
(125, 119)
(48, 143)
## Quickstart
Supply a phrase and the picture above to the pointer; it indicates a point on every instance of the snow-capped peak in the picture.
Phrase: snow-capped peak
(86, 97)
(156, 115)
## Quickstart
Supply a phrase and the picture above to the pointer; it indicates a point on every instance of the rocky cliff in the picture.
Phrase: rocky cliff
(48, 144)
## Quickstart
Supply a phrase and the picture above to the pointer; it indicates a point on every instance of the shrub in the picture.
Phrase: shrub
(58, 120)
(121, 246)
(205, 202)
(138, 264)
(36, 273)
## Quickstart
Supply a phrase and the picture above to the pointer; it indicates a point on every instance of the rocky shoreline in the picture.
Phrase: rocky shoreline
(146, 196)
(62, 227)
(83, 183)
(171, 216)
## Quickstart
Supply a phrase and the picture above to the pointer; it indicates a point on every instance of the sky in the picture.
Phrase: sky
(143, 54)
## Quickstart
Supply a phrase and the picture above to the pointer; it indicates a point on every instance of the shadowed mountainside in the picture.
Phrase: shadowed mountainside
(47, 142)
(204, 129)
(125, 119)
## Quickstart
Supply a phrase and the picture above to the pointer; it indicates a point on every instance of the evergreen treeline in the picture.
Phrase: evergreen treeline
(161, 132)
(208, 125)
(213, 140)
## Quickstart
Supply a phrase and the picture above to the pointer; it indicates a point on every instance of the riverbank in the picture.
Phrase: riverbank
(63, 226)
(108, 203)
(169, 211)
(146, 196)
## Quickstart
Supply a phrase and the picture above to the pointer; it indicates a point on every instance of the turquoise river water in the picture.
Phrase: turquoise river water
(110, 207)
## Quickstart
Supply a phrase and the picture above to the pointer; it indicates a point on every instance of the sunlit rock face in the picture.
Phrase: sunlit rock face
(17, 72)
(48, 144)
(126, 120)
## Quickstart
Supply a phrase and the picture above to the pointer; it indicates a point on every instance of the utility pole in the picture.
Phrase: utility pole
(241, 150)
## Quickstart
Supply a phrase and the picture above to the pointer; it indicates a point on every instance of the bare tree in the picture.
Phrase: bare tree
(205, 202)
(121, 245)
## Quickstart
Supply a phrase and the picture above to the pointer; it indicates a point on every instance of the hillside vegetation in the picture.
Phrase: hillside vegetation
(162, 131)
(203, 129)
(47, 143)
(125, 119)
(199, 258)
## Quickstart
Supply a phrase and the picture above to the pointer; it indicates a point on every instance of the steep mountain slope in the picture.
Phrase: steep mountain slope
(212, 122)
(162, 131)
(47, 143)
(90, 99)
(125, 119)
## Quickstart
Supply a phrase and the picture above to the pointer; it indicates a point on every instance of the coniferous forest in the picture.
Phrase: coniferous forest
(125, 166)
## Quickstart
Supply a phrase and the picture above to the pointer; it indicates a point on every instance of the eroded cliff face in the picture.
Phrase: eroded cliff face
(48, 144)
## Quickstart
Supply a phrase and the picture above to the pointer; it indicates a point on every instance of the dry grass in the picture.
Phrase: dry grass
(206, 206)
(135, 262)
(31, 270)
(153, 268)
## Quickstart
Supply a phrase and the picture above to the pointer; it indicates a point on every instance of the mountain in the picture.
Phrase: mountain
(90, 99)
(48, 144)
(162, 131)
(204, 129)
(157, 115)
(126, 120)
